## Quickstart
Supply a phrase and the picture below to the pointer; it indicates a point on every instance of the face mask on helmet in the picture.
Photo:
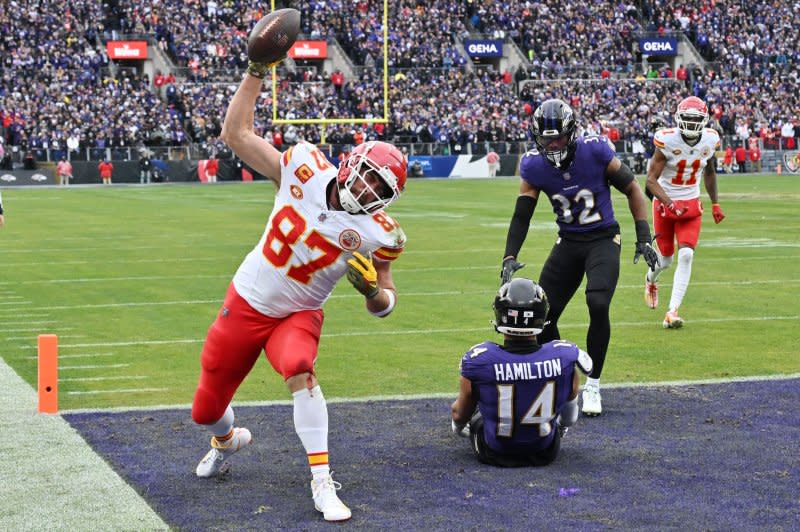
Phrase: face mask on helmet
(691, 117)
(520, 308)
(555, 131)
(372, 176)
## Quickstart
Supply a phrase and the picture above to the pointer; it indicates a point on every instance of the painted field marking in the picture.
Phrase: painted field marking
(28, 322)
(60, 336)
(130, 390)
(36, 329)
(405, 294)
(83, 355)
(643, 323)
(443, 395)
(100, 366)
(120, 378)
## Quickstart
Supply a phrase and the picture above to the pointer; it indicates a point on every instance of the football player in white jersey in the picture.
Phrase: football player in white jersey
(682, 157)
(327, 223)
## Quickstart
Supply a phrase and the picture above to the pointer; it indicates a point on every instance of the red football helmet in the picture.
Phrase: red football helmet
(691, 116)
(372, 176)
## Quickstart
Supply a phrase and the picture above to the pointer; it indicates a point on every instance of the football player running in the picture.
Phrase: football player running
(526, 394)
(683, 156)
(577, 174)
(327, 222)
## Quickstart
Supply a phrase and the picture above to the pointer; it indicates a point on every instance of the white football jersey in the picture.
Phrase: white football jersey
(681, 176)
(305, 246)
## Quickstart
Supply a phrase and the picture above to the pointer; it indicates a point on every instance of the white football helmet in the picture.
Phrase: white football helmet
(691, 117)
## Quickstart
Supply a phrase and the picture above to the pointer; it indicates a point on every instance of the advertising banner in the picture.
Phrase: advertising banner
(484, 47)
(126, 49)
(658, 46)
(309, 50)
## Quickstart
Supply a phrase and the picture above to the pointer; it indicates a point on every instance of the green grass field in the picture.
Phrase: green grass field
(130, 278)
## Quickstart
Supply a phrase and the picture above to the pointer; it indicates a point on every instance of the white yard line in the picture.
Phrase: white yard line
(446, 395)
(100, 366)
(643, 323)
(89, 379)
(121, 390)
(218, 301)
(78, 355)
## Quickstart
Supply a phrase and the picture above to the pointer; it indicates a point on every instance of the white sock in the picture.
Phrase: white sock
(682, 275)
(664, 263)
(224, 425)
(311, 425)
(592, 383)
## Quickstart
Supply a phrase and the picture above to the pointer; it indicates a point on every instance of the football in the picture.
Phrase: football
(273, 36)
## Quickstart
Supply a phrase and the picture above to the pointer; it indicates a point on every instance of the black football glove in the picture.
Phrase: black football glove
(510, 265)
(643, 247)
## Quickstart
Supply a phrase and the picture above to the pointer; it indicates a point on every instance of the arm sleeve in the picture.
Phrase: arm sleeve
(621, 178)
(520, 221)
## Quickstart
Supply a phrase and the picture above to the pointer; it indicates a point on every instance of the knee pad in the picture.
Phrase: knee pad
(685, 256)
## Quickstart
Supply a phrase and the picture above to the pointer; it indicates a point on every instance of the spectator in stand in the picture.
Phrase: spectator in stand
(64, 171)
(787, 135)
(337, 80)
(727, 161)
(741, 157)
(212, 168)
(755, 158)
(106, 170)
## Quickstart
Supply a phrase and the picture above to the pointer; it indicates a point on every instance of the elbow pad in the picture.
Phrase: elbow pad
(520, 221)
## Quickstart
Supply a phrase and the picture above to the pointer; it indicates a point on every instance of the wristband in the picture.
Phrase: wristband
(642, 231)
(389, 307)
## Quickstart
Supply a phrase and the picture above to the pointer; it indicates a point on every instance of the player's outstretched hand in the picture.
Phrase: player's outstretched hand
(361, 273)
(716, 212)
(510, 265)
(650, 255)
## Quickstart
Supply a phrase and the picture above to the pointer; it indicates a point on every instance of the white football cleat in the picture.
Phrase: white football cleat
(672, 320)
(326, 500)
(212, 462)
(592, 403)
(650, 293)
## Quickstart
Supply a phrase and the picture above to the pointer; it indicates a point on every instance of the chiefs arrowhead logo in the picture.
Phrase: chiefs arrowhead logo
(349, 240)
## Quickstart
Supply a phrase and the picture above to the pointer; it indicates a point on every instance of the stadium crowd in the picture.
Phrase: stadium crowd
(59, 91)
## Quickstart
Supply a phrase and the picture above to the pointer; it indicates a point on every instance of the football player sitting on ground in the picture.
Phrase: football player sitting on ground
(517, 400)
(327, 222)
(683, 155)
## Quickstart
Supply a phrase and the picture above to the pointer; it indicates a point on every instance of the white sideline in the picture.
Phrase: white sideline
(439, 395)
(51, 479)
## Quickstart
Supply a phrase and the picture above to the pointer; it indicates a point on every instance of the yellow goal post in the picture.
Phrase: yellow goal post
(353, 120)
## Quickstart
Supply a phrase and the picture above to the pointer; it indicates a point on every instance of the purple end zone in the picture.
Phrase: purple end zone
(717, 457)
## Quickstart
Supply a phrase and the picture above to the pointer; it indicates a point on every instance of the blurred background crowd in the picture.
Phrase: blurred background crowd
(60, 95)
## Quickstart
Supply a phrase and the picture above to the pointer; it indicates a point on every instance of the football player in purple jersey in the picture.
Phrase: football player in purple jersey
(516, 400)
(577, 174)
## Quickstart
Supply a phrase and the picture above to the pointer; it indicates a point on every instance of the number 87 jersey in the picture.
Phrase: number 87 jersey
(305, 246)
(681, 176)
